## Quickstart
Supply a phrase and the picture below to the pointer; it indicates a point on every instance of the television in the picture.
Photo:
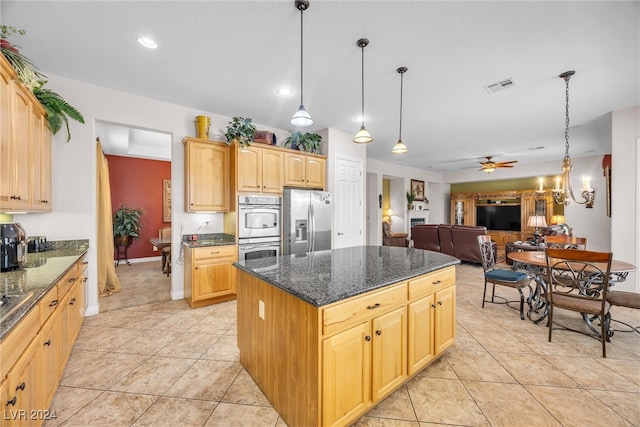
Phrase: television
(497, 217)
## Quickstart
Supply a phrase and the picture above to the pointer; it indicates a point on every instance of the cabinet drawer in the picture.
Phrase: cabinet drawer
(48, 304)
(18, 339)
(362, 308)
(214, 252)
(67, 280)
(431, 282)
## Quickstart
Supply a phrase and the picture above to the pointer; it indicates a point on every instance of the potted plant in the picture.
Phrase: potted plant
(126, 225)
(410, 198)
(241, 130)
(57, 109)
(309, 142)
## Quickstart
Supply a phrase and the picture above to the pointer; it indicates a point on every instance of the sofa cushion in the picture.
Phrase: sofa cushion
(446, 239)
(425, 236)
(465, 242)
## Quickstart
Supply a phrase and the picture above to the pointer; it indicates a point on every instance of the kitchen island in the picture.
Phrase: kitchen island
(329, 334)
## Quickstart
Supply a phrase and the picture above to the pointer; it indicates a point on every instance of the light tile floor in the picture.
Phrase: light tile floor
(164, 364)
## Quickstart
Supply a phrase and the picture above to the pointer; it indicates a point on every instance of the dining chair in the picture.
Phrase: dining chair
(496, 276)
(566, 242)
(165, 233)
(578, 280)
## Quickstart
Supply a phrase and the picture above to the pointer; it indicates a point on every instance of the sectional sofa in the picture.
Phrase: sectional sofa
(459, 241)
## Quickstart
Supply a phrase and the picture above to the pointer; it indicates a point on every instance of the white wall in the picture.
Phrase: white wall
(625, 198)
(74, 169)
(400, 177)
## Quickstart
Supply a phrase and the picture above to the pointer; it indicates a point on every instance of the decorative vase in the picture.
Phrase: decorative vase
(409, 206)
(203, 123)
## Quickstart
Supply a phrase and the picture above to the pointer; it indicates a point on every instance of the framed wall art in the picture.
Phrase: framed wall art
(166, 200)
(417, 188)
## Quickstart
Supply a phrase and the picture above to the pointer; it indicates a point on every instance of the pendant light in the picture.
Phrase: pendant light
(301, 119)
(400, 148)
(563, 192)
(363, 136)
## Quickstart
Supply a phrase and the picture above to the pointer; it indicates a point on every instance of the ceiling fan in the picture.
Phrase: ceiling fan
(490, 166)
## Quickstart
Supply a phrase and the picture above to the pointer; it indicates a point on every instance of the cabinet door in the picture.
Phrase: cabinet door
(23, 388)
(207, 176)
(21, 113)
(420, 337)
(6, 165)
(41, 163)
(346, 375)
(49, 340)
(445, 319)
(212, 277)
(389, 357)
(315, 172)
(4, 399)
(272, 171)
(76, 309)
(294, 169)
(249, 169)
(66, 341)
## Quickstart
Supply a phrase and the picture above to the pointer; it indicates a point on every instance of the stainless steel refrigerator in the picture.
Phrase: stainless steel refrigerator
(306, 221)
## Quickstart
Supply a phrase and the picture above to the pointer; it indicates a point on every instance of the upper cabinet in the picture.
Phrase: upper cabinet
(259, 169)
(25, 147)
(206, 168)
(304, 170)
(263, 168)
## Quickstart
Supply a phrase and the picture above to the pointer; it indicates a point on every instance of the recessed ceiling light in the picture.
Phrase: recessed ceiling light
(284, 91)
(147, 42)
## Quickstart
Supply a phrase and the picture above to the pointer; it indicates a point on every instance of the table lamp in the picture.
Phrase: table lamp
(389, 215)
(536, 221)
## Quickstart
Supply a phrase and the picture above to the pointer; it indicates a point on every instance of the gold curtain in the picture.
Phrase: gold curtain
(108, 281)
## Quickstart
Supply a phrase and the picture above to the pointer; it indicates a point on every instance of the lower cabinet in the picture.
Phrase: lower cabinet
(35, 352)
(209, 276)
(363, 364)
(345, 357)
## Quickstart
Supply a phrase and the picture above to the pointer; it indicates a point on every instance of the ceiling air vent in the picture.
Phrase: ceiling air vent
(503, 84)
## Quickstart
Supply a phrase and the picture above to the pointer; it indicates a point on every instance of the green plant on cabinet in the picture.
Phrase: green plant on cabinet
(58, 110)
(241, 130)
(309, 142)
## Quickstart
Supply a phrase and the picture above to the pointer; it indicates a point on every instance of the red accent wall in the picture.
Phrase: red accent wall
(138, 183)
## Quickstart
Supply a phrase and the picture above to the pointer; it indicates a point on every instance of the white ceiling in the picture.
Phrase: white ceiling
(229, 57)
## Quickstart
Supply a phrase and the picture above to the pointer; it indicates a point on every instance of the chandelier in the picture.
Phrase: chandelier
(562, 192)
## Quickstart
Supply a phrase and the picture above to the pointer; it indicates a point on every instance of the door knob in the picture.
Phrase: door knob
(340, 234)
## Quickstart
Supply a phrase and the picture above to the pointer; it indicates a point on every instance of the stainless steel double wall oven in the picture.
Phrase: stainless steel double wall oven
(259, 227)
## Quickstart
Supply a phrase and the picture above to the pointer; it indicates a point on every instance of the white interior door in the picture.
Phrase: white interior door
(348, 205)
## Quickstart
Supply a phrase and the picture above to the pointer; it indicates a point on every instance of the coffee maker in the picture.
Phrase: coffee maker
(13, 250)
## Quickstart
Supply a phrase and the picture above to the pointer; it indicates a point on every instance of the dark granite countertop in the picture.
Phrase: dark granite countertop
(29, 283)
(325, 277)
(213, 239)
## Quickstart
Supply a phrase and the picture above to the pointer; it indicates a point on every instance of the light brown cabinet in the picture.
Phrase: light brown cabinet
(348, 355)
(303, 170)
(463, 210)
(25, 147)
(431, 317)
(206, 180)
(35, 351)
(209, 276)
(259, 170)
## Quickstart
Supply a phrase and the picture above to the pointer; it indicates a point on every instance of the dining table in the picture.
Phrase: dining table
(535, 263)
(159, 243)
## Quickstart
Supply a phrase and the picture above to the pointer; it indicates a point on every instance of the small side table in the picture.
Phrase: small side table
(520, 247)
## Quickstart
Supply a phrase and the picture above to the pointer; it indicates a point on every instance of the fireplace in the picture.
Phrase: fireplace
(416, 221)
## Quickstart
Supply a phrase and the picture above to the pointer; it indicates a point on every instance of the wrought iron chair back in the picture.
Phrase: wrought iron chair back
(578, 280)
(566, 242)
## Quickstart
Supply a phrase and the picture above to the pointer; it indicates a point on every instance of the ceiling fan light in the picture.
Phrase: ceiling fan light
(363, 136)
(489, 169)
(399, 148)
(301, 119)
